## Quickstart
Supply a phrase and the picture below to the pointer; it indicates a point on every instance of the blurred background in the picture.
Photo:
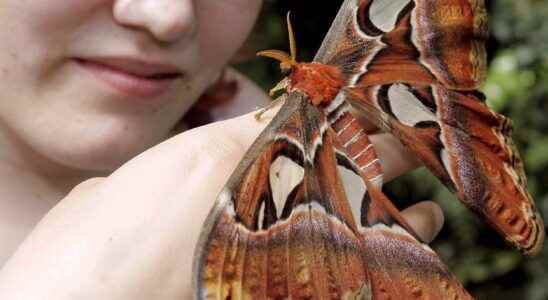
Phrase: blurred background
(517, 86)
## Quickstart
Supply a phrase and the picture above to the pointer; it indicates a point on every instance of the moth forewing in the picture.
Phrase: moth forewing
(224, 206)
(311, 250)
(413, 67)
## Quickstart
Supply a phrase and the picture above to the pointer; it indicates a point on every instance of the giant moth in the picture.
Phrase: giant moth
(303, 217)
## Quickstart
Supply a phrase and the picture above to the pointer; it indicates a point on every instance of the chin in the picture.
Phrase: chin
(95, 157)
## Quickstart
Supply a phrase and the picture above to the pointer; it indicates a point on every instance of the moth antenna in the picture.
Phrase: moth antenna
(278, 55)
(292, 42)
(287, 60)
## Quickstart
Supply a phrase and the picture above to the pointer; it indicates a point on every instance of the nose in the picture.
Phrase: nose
(166, 20)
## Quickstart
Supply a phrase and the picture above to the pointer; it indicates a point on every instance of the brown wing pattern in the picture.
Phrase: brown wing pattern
(424, 61)
(399, 265)
(300, 245)
(413, 41)
(307, 241)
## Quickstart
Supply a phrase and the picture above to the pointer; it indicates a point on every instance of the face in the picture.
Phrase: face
(88, 84)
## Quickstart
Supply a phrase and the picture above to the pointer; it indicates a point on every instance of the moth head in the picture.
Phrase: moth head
(287, 60)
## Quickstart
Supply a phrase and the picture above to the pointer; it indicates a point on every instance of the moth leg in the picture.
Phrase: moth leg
(274, 103)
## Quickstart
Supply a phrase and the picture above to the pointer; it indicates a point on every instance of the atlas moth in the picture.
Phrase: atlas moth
(303, 215)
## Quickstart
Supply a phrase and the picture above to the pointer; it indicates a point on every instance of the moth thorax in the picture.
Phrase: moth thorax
(320, 82)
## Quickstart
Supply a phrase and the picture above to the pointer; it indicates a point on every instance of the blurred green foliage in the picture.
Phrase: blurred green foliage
(517, 86)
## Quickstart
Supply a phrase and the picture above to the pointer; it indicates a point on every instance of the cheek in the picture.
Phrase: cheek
(34, 33)
(224, 26)
(50, 16)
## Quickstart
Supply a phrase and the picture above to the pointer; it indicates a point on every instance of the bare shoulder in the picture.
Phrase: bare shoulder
(249, 97)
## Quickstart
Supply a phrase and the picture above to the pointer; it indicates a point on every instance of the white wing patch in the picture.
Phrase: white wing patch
(446, 159)
(384, 13)
(284, 176)
(354, 189)
(260, 219)
(407, 108)
(444, 155)
(225, 198)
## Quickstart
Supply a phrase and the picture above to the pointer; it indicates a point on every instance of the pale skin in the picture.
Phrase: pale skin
(82, 214)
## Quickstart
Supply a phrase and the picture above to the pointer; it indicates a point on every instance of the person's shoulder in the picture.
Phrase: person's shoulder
(247, 97)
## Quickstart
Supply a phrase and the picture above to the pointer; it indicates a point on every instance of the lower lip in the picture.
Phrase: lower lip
(127, 83)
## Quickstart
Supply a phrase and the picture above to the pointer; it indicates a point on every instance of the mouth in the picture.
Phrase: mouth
(136, 78)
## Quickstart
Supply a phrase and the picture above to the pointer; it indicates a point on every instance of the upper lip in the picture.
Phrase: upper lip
(136, 66)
